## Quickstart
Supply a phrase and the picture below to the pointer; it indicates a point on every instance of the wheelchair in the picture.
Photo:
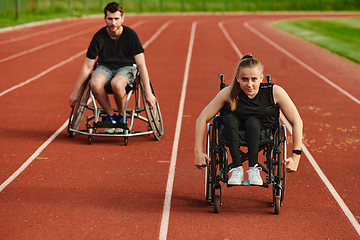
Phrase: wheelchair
(96, 119)
(272, 144)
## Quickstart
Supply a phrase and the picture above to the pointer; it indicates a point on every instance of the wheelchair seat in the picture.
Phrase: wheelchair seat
(108, 88)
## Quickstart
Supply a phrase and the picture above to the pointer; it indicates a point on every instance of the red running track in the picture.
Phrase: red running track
(54, 187)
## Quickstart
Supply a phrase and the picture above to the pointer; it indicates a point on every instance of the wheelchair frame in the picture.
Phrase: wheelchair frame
(87, 100)
(218, 168)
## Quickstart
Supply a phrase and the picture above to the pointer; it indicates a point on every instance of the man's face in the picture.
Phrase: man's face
(114, 21)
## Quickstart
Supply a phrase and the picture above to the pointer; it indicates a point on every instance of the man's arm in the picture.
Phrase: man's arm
(84, 73)
(144, 78)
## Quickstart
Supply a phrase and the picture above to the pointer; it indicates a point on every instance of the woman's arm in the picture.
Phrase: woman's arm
(200, 129)
(292, 115)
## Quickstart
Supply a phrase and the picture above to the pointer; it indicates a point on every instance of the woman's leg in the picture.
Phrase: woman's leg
(252, 128)
(232, 125)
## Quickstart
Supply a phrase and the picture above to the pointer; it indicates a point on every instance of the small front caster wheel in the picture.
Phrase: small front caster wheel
(217, 204)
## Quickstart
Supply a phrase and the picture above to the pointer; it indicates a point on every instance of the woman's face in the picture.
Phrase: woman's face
(249, 79)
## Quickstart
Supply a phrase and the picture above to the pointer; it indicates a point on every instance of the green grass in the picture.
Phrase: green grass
(340, 35)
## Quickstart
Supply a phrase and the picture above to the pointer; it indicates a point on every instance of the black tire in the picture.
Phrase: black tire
(78, 109)
(153, 115)
(208, 167)
(208, 182)
(277, 203)
(279, 170)
(282, 165)
(217, 204)
(213, 163)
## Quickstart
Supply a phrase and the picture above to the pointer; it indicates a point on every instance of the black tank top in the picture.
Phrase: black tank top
(262, 106)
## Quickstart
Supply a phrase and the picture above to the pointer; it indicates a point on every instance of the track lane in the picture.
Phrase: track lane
(304, 189)
(347, 139)
(336, 123)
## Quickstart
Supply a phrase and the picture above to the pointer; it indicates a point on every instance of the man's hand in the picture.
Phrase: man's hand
(150, 98)
(73, 98)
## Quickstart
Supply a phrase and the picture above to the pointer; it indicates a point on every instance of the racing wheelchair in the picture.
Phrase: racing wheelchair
(96, 120)
(272, 144)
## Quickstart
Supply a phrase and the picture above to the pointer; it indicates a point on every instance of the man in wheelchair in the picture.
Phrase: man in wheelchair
(251, 106)
(119, 56)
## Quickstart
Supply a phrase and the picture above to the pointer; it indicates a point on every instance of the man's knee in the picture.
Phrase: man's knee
(97, 83)
(118, 84)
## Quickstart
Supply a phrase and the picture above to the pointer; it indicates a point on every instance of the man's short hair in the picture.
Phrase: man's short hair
(113, 7)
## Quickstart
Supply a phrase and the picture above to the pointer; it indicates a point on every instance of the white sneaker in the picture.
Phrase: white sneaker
(237, 176)
(114, 130)
(254, 176)
(109, 130)
(119, 130)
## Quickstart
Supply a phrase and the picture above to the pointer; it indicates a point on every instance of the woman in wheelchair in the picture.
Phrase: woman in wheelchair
(252, 106)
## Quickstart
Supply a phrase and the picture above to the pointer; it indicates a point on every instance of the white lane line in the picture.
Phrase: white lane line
(170, 182)
(313, 162)
(31, 24)
(221, 26)
(246, 24)
(45, 45)
(10, 40)
(33, 156)
(326, 181)
(138, 23)
(43, 73)
(158, 32)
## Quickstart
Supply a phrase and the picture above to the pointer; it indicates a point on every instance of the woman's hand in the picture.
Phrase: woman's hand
(201, 160)
(292, 163)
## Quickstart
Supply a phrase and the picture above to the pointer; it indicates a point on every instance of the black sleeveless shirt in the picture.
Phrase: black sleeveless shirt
(262, 106)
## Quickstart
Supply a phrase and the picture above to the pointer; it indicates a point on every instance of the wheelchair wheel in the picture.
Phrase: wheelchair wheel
(78, 109)
(153, 114)
(281, 159)
(282, 170)
(207, 182)
(213, 165)
(208, 168)
(217, 204)
(279, 170)
(276, 184)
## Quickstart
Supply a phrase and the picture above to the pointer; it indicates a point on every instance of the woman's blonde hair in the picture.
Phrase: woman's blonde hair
(247, 61)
